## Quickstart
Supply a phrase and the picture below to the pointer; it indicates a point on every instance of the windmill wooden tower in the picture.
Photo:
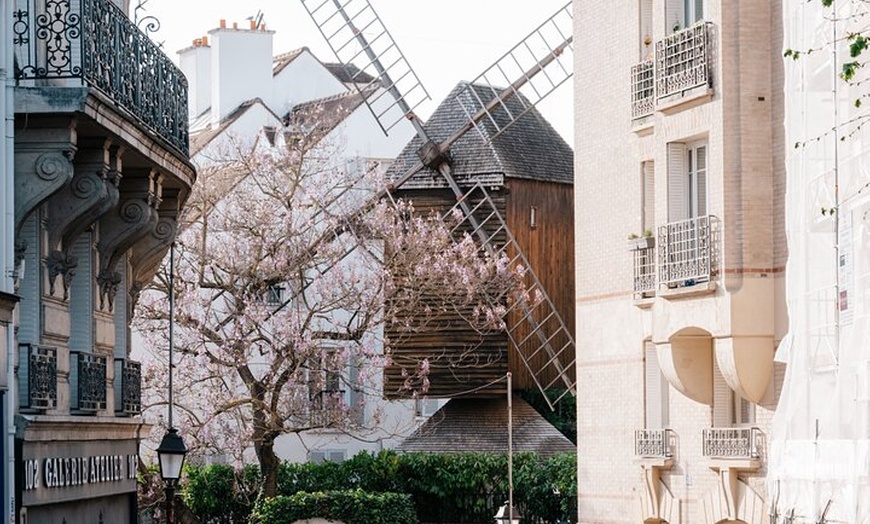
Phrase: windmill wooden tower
(509, 208)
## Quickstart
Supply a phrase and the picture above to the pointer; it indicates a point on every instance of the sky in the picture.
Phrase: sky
(444, 41)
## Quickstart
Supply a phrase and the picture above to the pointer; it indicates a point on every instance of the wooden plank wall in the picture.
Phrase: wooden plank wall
(462, 361)
(549, 247)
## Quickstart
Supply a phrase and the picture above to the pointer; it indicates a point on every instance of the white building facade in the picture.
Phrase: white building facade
(679, 147)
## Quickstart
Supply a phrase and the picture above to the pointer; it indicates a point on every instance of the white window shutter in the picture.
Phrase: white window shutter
(700, 154)
(645, 12)
(656, 392)
(678, 182)
(723, 400)
(649, 196)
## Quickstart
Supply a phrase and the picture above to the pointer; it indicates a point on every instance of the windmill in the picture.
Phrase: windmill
(526, 74)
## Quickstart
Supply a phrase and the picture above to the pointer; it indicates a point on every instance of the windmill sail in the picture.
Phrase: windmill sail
(354, 32)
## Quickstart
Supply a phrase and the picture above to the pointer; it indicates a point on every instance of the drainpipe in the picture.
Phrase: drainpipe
(7, 248)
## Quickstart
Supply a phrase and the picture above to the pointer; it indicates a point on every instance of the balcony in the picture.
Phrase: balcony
(87, 382)
(733, 443)
(644, 272)
(91, 43)
(687, 251)
(37, 377)
(128, 387)
(683, 61)
(654, 443)
(642, 89)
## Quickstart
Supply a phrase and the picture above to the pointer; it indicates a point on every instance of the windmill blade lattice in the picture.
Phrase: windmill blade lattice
(529, 72)
(343, 25)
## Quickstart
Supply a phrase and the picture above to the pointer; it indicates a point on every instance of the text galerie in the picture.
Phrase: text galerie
(64, 472)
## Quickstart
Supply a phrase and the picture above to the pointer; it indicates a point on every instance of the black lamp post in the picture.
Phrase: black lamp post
(171, 456)
(172, 450)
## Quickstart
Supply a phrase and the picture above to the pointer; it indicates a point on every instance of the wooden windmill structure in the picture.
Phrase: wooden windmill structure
(501, 211)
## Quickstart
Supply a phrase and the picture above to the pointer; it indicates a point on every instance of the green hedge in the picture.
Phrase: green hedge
(456, 488)
(350, 507)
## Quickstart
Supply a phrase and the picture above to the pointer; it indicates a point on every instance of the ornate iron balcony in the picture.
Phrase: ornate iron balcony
(644, 271)
(654, 443)
(128, 387)
(686, 251)
(87, 382)
(682, 60)
(37, 377)
(92, 43)
(642, 89)
(733, 443)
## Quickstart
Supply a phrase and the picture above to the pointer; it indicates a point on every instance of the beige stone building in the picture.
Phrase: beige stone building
(679, 111)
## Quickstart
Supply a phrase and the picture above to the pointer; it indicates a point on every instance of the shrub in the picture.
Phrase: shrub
(350, 507)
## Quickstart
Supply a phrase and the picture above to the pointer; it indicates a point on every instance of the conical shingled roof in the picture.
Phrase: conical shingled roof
(529, 149)
(481, 424)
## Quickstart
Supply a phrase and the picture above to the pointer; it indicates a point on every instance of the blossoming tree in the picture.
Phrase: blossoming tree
(285, 275)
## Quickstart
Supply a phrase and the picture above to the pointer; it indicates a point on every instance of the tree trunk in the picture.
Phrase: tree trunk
(269, 464)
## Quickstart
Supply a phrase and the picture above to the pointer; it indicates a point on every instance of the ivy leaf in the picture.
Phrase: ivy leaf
(858, 46)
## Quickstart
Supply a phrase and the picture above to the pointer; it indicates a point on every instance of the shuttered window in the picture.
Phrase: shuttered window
(81, 295)
(655, 390)
(723, 400)
(649, 196)
(645, 10)
(29, 312)
(680, 14)
(687, 180)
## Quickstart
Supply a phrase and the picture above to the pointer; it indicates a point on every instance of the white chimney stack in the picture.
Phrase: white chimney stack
(241, 66)
(195, 63)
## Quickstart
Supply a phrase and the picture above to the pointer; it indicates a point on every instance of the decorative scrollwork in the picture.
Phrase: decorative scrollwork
(50, 166)
(109, 282)
(60, 263)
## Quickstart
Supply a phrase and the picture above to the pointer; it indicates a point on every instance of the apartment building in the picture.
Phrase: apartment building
(679, 147)
(97, 174)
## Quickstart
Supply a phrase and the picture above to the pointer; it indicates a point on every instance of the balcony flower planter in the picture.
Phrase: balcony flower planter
(641, 243)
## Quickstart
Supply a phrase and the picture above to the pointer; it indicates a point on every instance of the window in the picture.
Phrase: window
(645, 9)
(327, 455)
(729, 408)
(683, 13)
(324, 382)
(687, 180)
(426, 407)
(655, 390)
(275, 295)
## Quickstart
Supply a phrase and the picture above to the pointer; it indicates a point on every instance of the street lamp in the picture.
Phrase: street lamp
(171, 456)
(171, 451)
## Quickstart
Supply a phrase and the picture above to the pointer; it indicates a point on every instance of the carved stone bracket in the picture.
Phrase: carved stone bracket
(150, 251)
(656, 502)
(60, 263)
(43, 165)
(732, 499)
(135, 218)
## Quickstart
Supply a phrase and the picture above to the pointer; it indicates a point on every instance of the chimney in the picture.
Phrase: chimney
(241, 68)
(195, 63)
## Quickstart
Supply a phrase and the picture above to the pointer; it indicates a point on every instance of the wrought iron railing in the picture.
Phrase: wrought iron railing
(642, 89)
(687, 251)
(654, 443)
(37, 377)
(87, 382)
(682, 60)
(645, 271)
(726, 443)
(92, 42)
(128, 387)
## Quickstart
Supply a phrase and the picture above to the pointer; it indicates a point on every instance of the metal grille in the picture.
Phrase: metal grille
(87, 382)
(654, 443)
(733, 443)
(527, 73)
(543, 342)
(93, 41)
(686, 251)
(682, 60)
(357, 36)
(37, 376)
(642, 89)
(128, 387)
(645, 271)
